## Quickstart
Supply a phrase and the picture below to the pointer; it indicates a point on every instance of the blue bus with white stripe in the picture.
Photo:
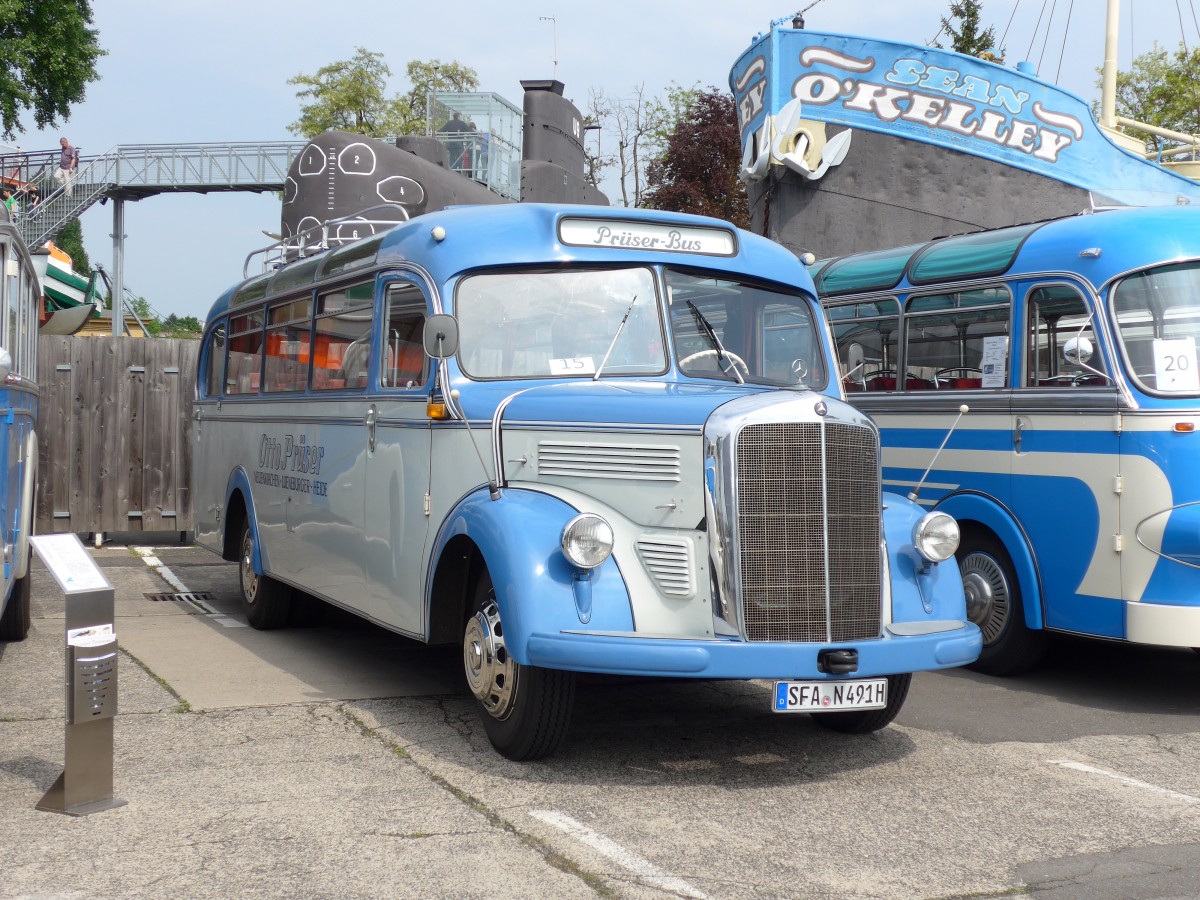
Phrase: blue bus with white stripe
(569, 439)
(20, 303)
(1074, 474)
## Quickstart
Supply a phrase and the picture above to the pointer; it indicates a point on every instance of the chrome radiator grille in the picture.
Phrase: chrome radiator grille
(793, 517)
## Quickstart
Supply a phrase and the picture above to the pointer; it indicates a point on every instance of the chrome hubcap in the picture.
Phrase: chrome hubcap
(491, 672)
(249, 577)
(989, 602)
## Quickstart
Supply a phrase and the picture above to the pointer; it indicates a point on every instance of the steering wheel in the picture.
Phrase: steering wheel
(963, 370)
(737, 360)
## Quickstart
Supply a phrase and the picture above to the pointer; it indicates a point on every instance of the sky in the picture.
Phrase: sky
(186, 71)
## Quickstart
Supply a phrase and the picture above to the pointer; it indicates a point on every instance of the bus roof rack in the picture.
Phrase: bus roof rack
(321, 237)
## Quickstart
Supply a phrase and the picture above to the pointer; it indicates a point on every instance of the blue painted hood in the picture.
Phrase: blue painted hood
(635, 403)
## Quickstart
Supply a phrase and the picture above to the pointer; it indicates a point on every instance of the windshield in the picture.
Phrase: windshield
(1158, 324)
(560, 323)
(739, 331)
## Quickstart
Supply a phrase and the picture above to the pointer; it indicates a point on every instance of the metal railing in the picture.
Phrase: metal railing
(135, 171)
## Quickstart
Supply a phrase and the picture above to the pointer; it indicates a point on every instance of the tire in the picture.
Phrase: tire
(267, 602)
(526, 710)
(864, 721)
(14, 624)
(994, 603)
(306, 611)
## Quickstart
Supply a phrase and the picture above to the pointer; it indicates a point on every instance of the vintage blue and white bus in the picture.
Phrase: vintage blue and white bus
(20, 303)
(570, 440)
(1074, 475)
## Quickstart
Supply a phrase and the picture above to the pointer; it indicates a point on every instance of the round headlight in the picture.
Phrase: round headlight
(936, 536)
(587, 540)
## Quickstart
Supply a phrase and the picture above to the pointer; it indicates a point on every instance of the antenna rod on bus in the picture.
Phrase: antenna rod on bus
(962, 411)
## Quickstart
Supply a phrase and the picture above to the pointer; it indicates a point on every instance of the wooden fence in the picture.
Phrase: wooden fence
(114, 430)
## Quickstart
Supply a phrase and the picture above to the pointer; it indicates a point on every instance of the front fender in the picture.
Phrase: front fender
(920, 591)
(537, 589)
(970, 507)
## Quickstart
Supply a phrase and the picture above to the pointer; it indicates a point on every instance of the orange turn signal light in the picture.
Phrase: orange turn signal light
(436, 409)
(1185, 427)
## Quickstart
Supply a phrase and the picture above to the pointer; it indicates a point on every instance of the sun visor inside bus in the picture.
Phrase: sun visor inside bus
(969, 256)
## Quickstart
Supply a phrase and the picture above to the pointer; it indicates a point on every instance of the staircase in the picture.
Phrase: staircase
(131, 172)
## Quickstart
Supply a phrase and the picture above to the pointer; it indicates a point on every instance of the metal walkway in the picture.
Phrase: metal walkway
(132, 172)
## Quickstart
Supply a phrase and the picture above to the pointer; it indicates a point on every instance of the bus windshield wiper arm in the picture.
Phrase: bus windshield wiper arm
(711, 334)
(613, 342)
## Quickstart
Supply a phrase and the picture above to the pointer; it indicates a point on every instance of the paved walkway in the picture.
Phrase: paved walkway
(244, 768)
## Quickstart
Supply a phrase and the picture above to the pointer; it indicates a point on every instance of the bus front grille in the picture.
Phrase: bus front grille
(809, 532)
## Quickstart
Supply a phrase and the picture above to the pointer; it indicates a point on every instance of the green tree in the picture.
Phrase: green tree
(698, 170)
(967, 37)
(70, 241)
(48, 58)
(638, 127)
(350, 95)
(343, 96)
(141, 308)
(1162, 88)
(175, 326)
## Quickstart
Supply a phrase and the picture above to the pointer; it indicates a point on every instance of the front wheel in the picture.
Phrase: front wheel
(1010, 647)
(526, 710)
(267, 602)
(14, 624)
(864, 721)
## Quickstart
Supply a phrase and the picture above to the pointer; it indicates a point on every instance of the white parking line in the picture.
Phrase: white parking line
(638, 865)
(1125, 779)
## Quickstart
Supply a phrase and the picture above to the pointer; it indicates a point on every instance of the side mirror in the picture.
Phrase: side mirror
(854, 356)
(1078, 351)
(5, 364)
(441, 336)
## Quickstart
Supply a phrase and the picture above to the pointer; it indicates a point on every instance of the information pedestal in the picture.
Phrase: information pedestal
(86, 784)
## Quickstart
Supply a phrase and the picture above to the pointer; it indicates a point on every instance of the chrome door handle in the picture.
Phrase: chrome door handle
(371, 429)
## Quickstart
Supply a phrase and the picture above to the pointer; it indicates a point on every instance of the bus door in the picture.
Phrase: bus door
(398, 440)
(1066, 459)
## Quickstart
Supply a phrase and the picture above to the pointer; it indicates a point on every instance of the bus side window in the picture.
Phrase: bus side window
(403, 361)
(287, 347)
(214, 361)
(958, 340)
(341, 350)
(244, 363)
(865, 333)
(1057, 314)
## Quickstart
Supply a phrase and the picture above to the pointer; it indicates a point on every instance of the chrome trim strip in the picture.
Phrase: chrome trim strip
(498, 437)
(623, 428)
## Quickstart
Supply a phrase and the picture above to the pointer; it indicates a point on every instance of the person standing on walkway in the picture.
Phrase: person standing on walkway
(68, 162)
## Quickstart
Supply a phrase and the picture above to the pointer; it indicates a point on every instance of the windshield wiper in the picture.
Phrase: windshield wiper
(711, 334)
(613, 342)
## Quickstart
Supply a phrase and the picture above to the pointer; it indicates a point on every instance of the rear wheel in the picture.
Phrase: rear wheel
(14, 624)
(267, 602)
(864, 721)
(526, 710)
(1010, 647)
